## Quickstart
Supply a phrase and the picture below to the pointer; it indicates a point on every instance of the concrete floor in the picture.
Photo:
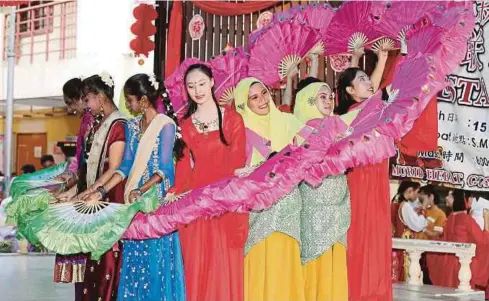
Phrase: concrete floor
(30, 278)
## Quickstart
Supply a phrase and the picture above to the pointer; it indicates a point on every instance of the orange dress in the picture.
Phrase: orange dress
(213, 249)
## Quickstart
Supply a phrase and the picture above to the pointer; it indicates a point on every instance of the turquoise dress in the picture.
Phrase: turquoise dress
(152, 269)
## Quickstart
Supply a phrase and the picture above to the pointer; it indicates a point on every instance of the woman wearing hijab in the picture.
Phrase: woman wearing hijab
(325, 215)
(273, 269)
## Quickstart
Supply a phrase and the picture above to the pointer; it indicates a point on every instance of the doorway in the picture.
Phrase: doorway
(30, 148)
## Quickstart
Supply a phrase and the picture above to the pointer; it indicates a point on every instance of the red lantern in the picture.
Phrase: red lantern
(143, 29)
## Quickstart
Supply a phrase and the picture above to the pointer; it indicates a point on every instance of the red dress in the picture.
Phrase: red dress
(213, 249)
(444, 267)
(102, 277)
(370, 234)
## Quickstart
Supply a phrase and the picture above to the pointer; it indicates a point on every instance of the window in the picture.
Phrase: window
(43, 28)
(34, 17)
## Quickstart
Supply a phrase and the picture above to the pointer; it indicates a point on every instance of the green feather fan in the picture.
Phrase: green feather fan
(81, 227)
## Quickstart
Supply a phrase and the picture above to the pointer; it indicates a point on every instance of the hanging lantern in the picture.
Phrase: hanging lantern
(196, 27)
(264, 19)
(143, 29)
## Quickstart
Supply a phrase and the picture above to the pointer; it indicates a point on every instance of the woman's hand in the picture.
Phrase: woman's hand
(382, 54)
(64, 177)
(134, 195)
(92, 197)
(88, 191)
(358, 52)
(293, 71)
(63, 197)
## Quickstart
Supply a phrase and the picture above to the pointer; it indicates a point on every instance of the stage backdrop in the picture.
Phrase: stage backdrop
(462, 157)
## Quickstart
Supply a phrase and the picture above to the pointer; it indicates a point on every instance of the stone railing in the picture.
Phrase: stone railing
(416, 247)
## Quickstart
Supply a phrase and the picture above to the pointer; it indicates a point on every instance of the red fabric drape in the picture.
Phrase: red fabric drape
(12, 3)
(424, 134)
(223, 8)
(174, 38)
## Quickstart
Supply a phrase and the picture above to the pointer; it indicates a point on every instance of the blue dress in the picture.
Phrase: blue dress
(152, 269)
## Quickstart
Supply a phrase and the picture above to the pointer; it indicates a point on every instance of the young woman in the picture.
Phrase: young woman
(71, 268)
(212, 248)
(461, 227)
(325, 215)
(103, 155)
(369, 236)
(151, 269)
(273, 269)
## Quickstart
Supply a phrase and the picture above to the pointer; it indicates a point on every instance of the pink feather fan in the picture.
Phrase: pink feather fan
(350, 27)
(175, 84)
(228, 70)
(393, 19)
(280, 48)
(318, 16)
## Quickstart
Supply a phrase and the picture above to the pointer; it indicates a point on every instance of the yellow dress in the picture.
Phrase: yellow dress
(326, 277)
(273, 268)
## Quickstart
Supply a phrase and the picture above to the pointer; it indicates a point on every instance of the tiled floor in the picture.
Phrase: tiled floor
(30, 278)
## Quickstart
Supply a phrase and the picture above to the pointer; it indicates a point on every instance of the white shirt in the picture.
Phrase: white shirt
(411, 218)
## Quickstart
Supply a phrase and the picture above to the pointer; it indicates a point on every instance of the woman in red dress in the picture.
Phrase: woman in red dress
(104, 150)
(213, 249)
(369, 237)
(461, 227)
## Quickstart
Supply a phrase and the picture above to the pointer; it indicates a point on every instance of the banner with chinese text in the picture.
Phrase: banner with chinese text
(462, 158)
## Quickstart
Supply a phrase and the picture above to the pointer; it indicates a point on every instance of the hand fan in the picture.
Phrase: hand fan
(176, 86)
(318, 16)
(34, 200)
(280, 48)
(83, 227)
(393, 19)
(259, 190)
(350, 27)
(228, 70)
(456, 21)
(41, 178)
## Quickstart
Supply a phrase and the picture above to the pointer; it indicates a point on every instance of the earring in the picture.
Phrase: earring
(102, 114)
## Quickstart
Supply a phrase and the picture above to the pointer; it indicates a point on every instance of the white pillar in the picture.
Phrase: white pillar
(464, 274)
(415, 275)
(10, 100)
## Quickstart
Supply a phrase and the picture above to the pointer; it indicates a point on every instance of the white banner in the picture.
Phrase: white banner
(463, 111)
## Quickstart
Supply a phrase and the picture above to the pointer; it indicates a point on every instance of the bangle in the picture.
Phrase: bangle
(138, 191)
(102, 192)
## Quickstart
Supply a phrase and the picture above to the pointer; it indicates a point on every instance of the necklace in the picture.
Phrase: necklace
(205, 127)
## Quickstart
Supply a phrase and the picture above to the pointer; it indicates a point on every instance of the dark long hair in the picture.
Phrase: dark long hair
(94, 84)
(458, 200)
(430, 190)
(72, 91)
(192, 105)
(405, 185)
(345, 100)
(303, 83)
(140, 85)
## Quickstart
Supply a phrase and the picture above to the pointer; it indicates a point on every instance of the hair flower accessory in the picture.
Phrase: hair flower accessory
(154, 82)
(81, 77)
(107, 79)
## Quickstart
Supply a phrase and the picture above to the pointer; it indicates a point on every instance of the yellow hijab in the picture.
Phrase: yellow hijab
(305, 107)
(122, 105)
(280, 128)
